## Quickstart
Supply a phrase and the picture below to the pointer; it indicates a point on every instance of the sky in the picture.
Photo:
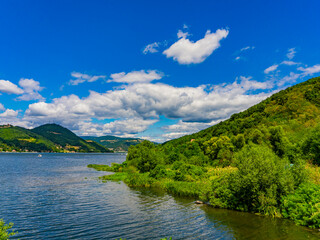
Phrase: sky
(156, 70)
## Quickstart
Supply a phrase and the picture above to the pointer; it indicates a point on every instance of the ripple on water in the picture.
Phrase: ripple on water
(49, 198)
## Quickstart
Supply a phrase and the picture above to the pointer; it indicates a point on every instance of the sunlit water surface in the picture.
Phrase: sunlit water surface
(57, 197)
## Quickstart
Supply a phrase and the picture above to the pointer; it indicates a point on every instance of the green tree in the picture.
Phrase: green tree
(278, 140)
(144, 156)
(258, 185)
(6, 230)
(311, 146)
(221, 149)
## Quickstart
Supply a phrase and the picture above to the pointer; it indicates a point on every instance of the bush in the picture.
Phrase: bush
(303, 206)
(258, 185)
(160, 171)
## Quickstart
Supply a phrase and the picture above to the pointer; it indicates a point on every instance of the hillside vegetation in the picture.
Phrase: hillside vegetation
(116, 144)
(255, 161)
(46, 138)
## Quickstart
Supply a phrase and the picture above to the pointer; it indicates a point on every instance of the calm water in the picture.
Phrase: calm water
(58, 197)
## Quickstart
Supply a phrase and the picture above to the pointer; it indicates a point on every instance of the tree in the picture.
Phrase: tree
(5, 230)
(311, 146)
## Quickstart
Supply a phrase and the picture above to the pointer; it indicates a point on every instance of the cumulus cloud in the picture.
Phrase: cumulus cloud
(310, 70)
(124, 128)
(9, 87)
(81, 78)
(291, 53)
(271, 68)
(184, 128)
(9, 113)
(137, 106)
(151, 48)
(136, 76)
(187, 52)
(31, 90)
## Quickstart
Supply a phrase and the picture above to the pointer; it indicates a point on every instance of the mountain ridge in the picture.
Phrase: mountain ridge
(44, 138)
(117, 144)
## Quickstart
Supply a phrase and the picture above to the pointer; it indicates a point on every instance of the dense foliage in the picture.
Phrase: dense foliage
(46, 138)
(303, 206)
(255, 161)
(117, 144)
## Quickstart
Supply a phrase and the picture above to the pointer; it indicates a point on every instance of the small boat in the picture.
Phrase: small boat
(39, 155)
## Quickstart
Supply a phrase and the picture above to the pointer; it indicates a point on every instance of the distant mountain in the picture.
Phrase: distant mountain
(67, 139)
(45, 138)
(20, 139)
(115, 143)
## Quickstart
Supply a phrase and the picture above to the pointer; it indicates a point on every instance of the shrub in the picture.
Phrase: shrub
(258, 185)
(303, 206)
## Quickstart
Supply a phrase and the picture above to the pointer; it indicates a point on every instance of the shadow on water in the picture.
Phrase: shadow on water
(237, 225)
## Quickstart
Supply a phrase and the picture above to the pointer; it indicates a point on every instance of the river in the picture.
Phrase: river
(57, 197)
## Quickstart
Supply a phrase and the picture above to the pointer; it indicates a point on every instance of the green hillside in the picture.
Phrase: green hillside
(21, 139)
(67, 139)
(262, 160)
(46, 138)
(296, 110)
(115, 143)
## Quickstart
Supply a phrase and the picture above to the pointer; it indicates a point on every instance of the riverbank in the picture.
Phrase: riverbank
(300, 205)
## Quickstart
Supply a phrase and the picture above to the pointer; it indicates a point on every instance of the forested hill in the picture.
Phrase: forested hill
(264, 160)
(115, 143)
(45, 138)
(296, 110)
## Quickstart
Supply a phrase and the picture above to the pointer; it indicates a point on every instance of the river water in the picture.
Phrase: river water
(58, 197)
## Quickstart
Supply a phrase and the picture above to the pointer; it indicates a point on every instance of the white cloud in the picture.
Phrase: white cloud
(247, 48)
(31, 90)
(237, 58)
(248, 84)
(151, 48)
(271, 68)
(136, 76)
(290, 63)
(182, 34)
(122, 128)
(9, 113)
(291, 78)
(9, 87)
(2, 108)
(186, 52)
(81, 78)
(137, 106)
(310, 70)
(291, 53)
(183, 128)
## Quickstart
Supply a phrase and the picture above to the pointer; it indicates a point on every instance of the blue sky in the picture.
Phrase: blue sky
(156, 70)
